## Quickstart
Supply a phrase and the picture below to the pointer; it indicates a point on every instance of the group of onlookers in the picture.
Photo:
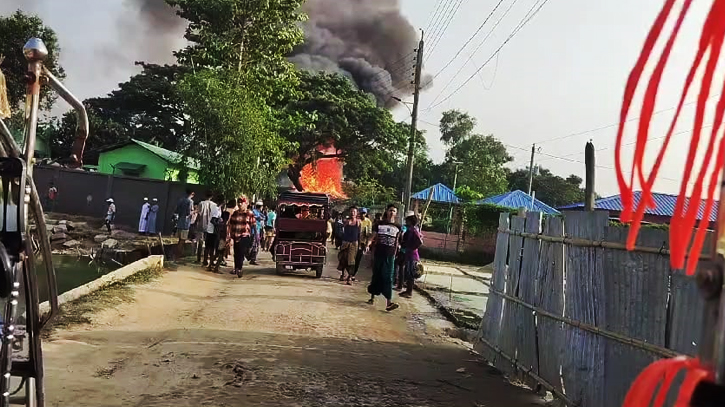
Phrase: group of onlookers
(395, 247)
(221, 228)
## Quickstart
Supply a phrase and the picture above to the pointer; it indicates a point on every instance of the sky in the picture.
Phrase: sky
(557, 83)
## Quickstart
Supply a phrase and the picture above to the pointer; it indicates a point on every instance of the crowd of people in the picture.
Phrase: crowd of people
(395, 258)
(236, 228)
(220, 228)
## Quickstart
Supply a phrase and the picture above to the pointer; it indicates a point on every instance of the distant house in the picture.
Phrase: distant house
(664, 208)
(519, 199)
(138, 159)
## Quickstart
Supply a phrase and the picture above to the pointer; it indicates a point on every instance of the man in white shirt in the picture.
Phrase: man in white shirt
(210, 233)
(204, 217)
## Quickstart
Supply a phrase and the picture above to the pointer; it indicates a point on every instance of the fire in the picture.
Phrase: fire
(324, 175)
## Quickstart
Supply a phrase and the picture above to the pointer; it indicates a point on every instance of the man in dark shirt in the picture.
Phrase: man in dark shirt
(386, 238)
(183, 211)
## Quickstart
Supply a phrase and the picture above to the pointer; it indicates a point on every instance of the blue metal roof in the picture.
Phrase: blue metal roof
(519, 199)
(441, 193)
(664, 205)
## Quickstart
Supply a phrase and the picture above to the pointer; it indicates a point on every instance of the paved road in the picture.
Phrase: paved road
(194, 338)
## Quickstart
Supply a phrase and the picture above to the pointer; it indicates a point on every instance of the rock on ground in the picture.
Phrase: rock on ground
(194, 338)
(109, 243)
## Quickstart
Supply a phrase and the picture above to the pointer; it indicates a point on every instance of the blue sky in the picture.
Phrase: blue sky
(562, 74)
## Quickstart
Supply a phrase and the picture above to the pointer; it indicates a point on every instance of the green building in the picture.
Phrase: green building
(138, 159)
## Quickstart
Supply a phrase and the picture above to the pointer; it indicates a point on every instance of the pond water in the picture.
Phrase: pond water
(71, 272)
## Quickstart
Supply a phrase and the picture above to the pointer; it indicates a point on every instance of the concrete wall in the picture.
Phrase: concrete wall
(151, 262)
(128, 192)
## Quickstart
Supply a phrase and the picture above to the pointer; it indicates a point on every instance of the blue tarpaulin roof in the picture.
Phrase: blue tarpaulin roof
(441, 193)
(518, 199)
(664, 205)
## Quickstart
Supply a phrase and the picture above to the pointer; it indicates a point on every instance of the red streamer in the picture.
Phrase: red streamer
(684, 219)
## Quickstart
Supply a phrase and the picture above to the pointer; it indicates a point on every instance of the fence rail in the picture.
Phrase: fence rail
(574, 312)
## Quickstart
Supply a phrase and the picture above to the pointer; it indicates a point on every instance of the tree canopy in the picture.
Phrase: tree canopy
(551, 189)
(480, 159)
(15, 30)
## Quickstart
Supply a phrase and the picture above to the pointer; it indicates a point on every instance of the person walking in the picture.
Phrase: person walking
(52, 196)
(223, 243)
(143, 219)
(386, 239)
(350, 242)
(203, 219)
(110, 214)
(239, 234)
(153, 213)
(211, 234)
(412, 241)
(259, 219)
(366, 232)
(183, 211)
(269, 229)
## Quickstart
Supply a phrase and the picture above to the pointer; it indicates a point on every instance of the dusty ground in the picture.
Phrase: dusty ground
(194, 338)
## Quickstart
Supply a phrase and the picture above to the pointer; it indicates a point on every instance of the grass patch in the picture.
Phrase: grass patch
(79, 312)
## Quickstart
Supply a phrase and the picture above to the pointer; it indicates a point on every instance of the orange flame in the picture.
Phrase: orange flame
(324, 175)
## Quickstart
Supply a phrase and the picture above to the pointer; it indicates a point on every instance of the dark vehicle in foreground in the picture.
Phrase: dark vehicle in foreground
(300, 231)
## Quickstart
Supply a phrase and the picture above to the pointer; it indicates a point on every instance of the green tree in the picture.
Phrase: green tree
(456, 126)
(482, 161)
(252, 37)
(327, 109)
(231, 134)
(369, 192)
(147, 107)
(61, 132)
(551, 189)
(15, 31)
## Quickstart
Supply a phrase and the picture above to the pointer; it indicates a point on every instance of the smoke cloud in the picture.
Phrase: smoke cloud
(368, 41)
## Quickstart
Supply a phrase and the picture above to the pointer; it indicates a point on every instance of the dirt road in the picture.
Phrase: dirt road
(193, 338)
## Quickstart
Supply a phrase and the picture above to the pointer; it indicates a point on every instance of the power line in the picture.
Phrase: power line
(609, 126)
(437, 24)
(530, 15)
(582, 162)
(468, 41)
(445, 28)
(470, 57)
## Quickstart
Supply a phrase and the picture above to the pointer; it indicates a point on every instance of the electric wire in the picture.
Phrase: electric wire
(475, 33)
(470, 57)
(445, 28)
(530, 15)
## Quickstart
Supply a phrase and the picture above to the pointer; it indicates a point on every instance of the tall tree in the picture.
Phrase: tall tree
(551, 189)
(147, 107)
(232, 135)
(456, 126)
(15, 31)
(480, 159)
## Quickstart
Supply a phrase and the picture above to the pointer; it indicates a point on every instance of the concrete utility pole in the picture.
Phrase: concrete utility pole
(413, 123)
(531, 168)
(589, 162)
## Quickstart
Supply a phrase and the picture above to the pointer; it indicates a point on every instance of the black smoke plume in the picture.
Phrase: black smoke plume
(369, 41)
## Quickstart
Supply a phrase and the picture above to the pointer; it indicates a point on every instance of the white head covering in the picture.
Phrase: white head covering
(409, 213)
(109, 200)
(155, 199)
(260, 203)
(145, 199)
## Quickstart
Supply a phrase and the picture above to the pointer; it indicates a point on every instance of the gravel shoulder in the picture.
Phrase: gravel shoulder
(193, 338)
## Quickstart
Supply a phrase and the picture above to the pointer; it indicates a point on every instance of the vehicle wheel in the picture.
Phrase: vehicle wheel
(318, 271)
(280, 269)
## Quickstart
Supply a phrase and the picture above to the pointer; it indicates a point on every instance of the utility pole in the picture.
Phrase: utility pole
(531, 168)
(589, 162)
(450, 211)
(413, 123)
